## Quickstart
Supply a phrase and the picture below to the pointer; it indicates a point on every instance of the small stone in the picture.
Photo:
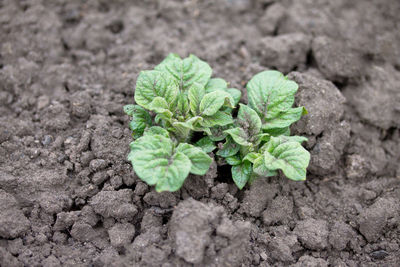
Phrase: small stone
(379, 254)
(97, 165)
(121, 234)
(47, 140)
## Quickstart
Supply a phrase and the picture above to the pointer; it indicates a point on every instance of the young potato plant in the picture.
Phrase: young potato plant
(259, 144)
(173, 101)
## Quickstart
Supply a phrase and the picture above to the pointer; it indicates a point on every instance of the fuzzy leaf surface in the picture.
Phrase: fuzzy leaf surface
(140, 119)
(195, 95)
(186, 71)
(288, 156)
(155, 162)
(270, 93)
(200, 160)
(284, 119)
(151, 84)
(229, 148)
(206, 144)
(220, 118)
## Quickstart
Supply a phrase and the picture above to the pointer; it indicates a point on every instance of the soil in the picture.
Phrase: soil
(68, 196)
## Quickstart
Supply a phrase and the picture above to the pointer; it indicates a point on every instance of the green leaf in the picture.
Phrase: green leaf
(160, 106)
(270, 93)
(155, 163)
(252, 156)
(236, 95)
(129, 109)
(249, 120)
(219, 118)
(284, 119)
(216, 84)
(229, 148)
(151, 84)
(289, 156)
(140, 119)
(183, 105)
(206, 144)
(241, 174)
(195, 95)
(239, 136)
(260, 169)
(213, 101)
(278, 131)
(200, 161)
(189, 124)
(186, 71)
(217, 133)
(233, 160)
(156, 130)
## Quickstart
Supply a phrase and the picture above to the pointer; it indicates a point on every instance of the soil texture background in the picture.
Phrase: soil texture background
(68, 196)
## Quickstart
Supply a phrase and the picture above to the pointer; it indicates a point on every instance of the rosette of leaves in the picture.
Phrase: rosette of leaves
(259, 143)
(174, 100)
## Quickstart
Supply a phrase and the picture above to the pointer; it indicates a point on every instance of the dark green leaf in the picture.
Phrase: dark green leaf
(140, 119)
(229, 148)
(206, 144)
(233, 160)
(241, 174)
(249, 120)
(239, 136)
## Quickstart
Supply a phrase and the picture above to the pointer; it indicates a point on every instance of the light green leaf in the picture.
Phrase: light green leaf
(239, 135)
(236, 95)
(284, 119)
(270, 93)
(233, 160)
(160, 106)
(213, 101)
(186, 71)
(200, 161)
(260, 169)
(189, 124)
(156, 130)
(289, 156)
(216, 84)
(219, 118)
(155, 163)
(151, 84)
(249, 120)
(252, 156)
(182, 105)
(130, 109)
(195, 95)
(241, 174)
(206, 144)
(140, 119)
(229, 148)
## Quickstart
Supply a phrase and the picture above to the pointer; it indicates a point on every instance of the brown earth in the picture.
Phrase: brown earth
(68, 197)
